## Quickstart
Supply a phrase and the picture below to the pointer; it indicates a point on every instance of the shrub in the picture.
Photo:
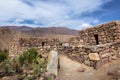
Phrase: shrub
(28, 56)
(15, 65)
(3, 55)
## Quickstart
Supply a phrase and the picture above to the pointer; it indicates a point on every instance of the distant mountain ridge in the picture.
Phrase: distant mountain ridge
(40, 32)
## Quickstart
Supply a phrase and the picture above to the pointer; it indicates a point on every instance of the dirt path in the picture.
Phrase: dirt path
(69, 70)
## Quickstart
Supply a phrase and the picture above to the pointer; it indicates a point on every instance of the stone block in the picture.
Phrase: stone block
(52, 66)
(94, 56)
(105, 55)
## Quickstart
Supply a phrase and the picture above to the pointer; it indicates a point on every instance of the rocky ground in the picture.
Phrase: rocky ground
(71, 70)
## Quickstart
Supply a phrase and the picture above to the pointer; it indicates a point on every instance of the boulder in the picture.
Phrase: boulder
(52, 66)
(94, 56)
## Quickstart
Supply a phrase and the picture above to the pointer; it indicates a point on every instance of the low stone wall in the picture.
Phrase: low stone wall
(36, 42)
(94, 56)
(41, 45)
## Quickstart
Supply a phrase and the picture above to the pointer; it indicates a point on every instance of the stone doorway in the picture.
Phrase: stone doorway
(96, 39)
(43, 44)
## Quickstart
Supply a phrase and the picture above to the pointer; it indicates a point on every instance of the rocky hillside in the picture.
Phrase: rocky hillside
(9, 33)
(7, 36)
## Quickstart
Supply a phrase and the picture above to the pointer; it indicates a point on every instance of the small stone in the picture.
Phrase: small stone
(41, 78)
(105, 55)
(114, 57)
(50, 75)
(80, 69)
(94, 56)
(87, 62)
(83, 53)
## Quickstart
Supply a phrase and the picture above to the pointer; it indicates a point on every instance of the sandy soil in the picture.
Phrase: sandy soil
(69, 70)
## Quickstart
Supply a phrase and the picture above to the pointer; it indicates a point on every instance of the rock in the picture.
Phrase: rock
(52, 66)
(94, 56)
(99, 64)
(114, 57)
(105, 55)
(87, 62)
(65, 44)
(80, 69)
(83, 53)
(50, 75)
(41, 78)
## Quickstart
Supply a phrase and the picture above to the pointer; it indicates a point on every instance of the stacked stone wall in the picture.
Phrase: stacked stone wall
(105, 33)
(41, 45)
(107, 53)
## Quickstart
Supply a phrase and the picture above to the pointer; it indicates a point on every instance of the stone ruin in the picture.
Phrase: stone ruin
(40, 44)
(102, 34)
(94, 47)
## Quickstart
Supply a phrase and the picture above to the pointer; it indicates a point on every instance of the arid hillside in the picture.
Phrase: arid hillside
(7, 36)
(9, 33)
(40, 32)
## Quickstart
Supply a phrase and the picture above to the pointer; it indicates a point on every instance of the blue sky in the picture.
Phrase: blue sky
(75, 14)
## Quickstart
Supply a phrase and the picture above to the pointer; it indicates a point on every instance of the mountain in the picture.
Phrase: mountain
(40, 32)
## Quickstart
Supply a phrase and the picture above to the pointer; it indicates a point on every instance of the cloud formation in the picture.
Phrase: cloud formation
(47, 13)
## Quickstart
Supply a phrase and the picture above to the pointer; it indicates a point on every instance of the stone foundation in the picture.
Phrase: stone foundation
(107, 53)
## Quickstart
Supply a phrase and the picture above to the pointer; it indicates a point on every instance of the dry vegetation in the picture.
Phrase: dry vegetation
(28, 66)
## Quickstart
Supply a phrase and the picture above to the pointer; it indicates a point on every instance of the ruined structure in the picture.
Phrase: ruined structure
(94, 47)
(101, 34)
(97, 45)
(22, 44)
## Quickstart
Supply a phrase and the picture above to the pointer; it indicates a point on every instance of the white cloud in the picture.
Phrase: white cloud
(85, 25)
(48, 12)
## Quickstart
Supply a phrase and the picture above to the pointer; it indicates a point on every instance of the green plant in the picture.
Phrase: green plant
(49, 78)
(9, 70)
(20, 77)
(16, 65)
(28, 56)
(3, 55)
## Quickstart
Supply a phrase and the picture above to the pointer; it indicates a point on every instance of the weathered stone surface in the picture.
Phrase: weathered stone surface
(94, 56)
(114, 57)
(101, 34)
(80, 69)
(87, 62)
(52, 66)
(105, 55)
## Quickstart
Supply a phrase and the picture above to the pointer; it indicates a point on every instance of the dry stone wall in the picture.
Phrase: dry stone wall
(94, 56)
(105, 33)
(42, 45)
